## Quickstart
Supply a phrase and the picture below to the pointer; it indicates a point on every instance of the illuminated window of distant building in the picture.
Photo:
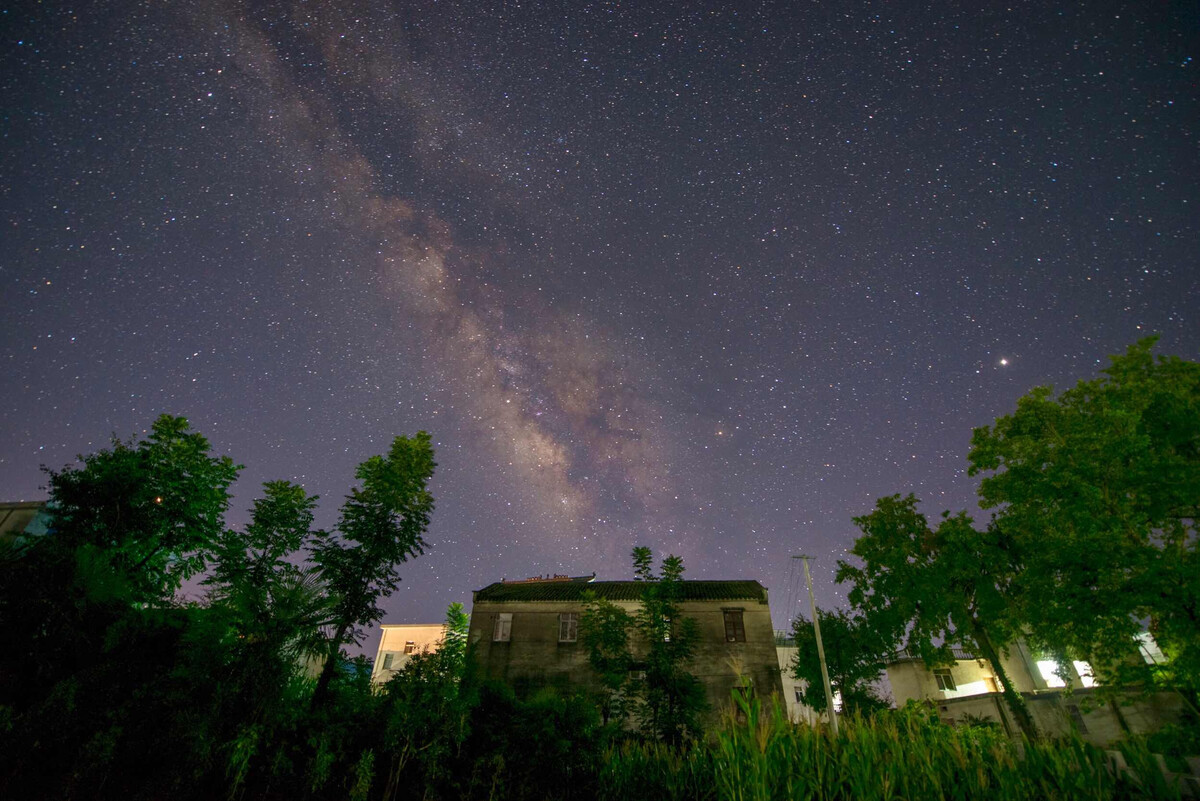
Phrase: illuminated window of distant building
(568, 627)
(1048, 668)
(502, 631)
(945, 681)
(1086, 676)
(735, 628)
(410, 647)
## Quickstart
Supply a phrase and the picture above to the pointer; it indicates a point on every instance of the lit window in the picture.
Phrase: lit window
(735, 628)
(410, 647)
(1086, 676)
(502, 631)
(1047, 668)
(568, 627)
(945, 681)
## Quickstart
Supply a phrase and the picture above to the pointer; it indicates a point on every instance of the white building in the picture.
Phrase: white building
(399, 641)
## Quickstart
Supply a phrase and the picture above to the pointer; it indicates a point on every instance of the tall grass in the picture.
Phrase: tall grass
(758, 755)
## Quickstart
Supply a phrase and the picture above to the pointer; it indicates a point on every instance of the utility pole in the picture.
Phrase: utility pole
(833, 721)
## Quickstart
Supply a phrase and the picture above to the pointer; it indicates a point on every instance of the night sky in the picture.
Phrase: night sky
(709, 278)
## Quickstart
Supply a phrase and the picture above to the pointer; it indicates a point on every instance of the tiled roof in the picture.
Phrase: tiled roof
(619, 591)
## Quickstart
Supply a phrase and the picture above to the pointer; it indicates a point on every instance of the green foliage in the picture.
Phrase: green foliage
(643, 564)
(152, 510)
(935, 589)
(382, 524)
(111, 687)
(854, 656)
(642, 658)
(546, 747)
(1097, 489)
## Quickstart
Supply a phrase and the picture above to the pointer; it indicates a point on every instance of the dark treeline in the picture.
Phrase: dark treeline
(112, 687)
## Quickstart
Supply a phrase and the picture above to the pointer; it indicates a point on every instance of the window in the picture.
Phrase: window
(409, 647)
(1077, 718)
(1049, 670)
(735, 628)
(944, 680)
(502, 631)
(1086, 676)
(387, 661)
(568, 627)
(799, 696)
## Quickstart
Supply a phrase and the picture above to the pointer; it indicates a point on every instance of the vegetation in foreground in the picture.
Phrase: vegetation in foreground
(112, 687)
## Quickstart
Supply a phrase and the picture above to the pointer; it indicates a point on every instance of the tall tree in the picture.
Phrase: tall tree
(936, 588)
(382, 524)
(1099, 487)
(155, 509)
(642, 658)
(854, 654)
(277, 607)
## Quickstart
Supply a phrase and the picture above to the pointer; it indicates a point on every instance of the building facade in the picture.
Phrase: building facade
(23, 519)
(526, 633)
(397, 644)
(1059, 701)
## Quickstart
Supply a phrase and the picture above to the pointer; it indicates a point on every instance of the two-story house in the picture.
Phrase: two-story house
(526, 633)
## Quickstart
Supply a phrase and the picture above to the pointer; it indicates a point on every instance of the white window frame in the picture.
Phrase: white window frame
(568, 626)
(502, 628)
(945, 680)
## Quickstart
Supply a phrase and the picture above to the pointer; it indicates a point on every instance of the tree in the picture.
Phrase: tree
(854, 655)
(425, 707)
(936, 588)
(155, 509)
(278, 606)
(650, 680)
(382, 524)
(1099, 489)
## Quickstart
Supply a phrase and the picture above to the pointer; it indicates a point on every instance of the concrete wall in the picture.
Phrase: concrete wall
(534, 658)
(1056, 713)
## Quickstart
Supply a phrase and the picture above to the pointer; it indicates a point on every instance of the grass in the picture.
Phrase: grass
(758, 755)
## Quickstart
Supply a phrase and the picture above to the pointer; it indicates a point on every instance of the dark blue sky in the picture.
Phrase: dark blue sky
(706, 278)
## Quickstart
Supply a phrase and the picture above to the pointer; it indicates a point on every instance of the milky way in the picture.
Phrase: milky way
(707, 280)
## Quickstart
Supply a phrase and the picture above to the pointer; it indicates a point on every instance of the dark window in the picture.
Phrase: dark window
(944, 680)
(735, 629)
(799, 696)
(1077, 718)
(387, 661)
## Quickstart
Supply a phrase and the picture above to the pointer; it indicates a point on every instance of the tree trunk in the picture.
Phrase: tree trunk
(1016, 703)
(330, 667)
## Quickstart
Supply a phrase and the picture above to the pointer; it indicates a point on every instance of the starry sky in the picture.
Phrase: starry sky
(706, 277)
